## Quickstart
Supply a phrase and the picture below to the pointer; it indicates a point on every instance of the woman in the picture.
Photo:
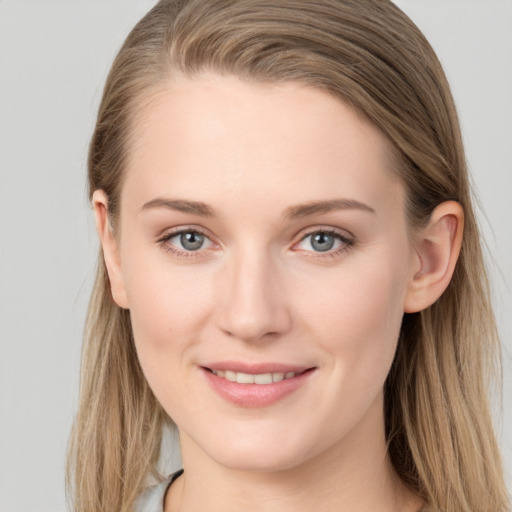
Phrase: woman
(290, 272)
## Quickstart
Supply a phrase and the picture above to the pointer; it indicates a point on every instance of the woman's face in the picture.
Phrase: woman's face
(263, 240)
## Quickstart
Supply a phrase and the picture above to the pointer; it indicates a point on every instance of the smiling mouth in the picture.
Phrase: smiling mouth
(257, 378)
(260, 385)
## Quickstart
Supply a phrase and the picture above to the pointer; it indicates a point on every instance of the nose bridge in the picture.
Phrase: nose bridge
(254, 303)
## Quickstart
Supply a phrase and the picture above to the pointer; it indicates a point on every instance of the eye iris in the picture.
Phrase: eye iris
(191, 241)
(322, 242)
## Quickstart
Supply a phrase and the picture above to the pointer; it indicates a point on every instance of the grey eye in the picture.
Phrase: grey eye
(191, 240)
(322, 242)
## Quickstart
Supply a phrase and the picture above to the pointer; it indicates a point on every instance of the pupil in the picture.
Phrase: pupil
(322, 242)
(191, 241)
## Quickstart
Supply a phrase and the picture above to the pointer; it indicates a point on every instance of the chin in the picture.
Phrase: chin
(259, 454)
(259, 463)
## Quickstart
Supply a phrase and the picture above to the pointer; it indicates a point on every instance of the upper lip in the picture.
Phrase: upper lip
(255, 368)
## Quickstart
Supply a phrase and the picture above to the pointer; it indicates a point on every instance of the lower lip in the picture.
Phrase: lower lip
(255, 395)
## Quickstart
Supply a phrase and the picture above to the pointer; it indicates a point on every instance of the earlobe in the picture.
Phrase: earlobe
(437, 247)
(110, 247)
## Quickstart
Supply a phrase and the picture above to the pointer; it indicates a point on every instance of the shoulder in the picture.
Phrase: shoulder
(152, 499)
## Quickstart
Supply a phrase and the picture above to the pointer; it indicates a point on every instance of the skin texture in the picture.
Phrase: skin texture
(258, 290)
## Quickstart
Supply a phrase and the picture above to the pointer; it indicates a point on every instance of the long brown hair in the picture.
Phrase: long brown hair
(370, 55)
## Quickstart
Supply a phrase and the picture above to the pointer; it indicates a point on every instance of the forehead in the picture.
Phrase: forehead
(216, 137)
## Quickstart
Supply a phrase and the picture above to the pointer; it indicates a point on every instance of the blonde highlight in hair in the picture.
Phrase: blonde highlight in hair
(368, 54)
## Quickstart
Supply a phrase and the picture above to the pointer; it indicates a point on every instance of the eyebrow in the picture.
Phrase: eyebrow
(181, 205)
(293, 212)
(316, 207)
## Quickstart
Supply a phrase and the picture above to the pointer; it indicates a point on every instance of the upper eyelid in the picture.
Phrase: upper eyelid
(166, 234)
(327, 229)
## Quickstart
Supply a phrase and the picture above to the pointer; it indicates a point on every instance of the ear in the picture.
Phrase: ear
(437, 247)
(110, 247)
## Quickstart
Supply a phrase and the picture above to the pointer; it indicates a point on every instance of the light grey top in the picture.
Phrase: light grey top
(152, 499)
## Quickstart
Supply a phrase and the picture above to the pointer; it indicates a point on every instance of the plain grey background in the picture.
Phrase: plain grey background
(54, 56)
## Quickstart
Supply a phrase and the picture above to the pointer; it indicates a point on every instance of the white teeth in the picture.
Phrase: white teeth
(249, 378)
(276, 377)
(244, 378)
(230, 376)
(263, 378)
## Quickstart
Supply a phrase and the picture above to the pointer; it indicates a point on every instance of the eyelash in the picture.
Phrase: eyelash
(346, 242)
(164, 242)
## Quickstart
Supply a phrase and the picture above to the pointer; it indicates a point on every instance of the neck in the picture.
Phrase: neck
(355, 475)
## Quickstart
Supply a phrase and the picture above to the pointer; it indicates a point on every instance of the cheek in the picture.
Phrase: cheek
(168, 310)
(169, 304)
(356, 318)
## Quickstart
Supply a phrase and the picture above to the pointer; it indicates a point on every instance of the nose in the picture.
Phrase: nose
(253, 303)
